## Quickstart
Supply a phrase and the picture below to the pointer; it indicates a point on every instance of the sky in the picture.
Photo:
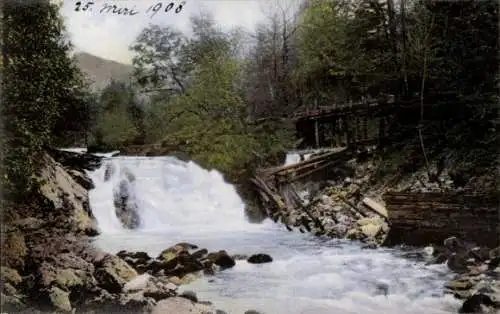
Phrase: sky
(108, 35)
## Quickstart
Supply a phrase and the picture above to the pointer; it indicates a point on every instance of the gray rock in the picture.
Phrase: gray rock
(114, 274)
(475, 304)
(259, 259)
(60, 299)
(178, 305)
(125, 206)
(190, 295)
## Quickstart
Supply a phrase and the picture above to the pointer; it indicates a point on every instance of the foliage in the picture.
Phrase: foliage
(115, 129)
(121, 118)
(41, 89)
(206, 91)
(207, 118)
(158, 62)
(322, 55)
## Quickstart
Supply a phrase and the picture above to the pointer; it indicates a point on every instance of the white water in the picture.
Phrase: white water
(293, 158)
(181, 202)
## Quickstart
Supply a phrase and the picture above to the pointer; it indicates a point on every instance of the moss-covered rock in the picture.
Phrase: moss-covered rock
(10, 276)
(114, 274)
(68, 278)
(173, 251)
(14, 249)
(60, 299)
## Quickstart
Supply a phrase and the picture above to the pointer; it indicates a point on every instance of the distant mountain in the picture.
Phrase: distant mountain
(102, 71)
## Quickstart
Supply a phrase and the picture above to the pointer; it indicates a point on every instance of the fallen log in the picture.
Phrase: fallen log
(259, 183)
(306, 209)
(302, 164)
(321, 167)
(352, 207)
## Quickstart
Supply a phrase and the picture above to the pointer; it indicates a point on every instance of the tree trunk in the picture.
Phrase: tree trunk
(403, 53)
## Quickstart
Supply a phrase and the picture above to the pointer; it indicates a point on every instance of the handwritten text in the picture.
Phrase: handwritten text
(121, 9)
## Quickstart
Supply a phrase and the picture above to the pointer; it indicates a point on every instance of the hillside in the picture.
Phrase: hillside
(101, 71)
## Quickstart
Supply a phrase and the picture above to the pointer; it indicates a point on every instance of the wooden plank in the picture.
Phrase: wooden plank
(266, 189)
(375, 207)
(300, 168)
(351, 207)
(321, 167)
(311, 160)
(316, 133)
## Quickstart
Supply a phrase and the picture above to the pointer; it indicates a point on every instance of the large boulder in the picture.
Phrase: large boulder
(67, 197)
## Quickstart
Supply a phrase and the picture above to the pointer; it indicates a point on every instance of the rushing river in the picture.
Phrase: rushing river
(181, 202)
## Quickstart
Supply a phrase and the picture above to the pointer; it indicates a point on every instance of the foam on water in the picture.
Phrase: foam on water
(181, 202)
(294, 157)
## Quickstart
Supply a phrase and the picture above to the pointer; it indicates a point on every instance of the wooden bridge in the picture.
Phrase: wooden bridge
(344, 125)
(341, 125)
(346, 129)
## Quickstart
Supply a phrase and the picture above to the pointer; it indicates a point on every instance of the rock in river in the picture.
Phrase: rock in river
(479, 303)
(259, 259)
(222, 259)
(125, 206)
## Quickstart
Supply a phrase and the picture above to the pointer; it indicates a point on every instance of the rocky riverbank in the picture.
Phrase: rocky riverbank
(50, 264)
(351, 207)
(477, 279)
(342, 208)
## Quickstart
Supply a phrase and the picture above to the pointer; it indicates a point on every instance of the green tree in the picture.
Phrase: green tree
(120, 120)
(208, 120)
(39, 82)
(323, 61)
(158, 61)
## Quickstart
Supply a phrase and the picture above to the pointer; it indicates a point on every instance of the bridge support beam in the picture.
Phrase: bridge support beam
(381, 130)
(348, 132)
(338, 130)
(316, 133)
(357, 135)
(365, 127)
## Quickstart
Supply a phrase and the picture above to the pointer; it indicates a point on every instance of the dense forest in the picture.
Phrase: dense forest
(220, 97)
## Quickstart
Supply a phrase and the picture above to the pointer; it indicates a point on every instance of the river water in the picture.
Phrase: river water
(181, 202)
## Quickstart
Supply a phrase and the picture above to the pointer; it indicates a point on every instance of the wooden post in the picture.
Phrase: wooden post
(316, 133)
(357, 131)
(365, 127)
(348, 131)
(381, 130)
(338, 130)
